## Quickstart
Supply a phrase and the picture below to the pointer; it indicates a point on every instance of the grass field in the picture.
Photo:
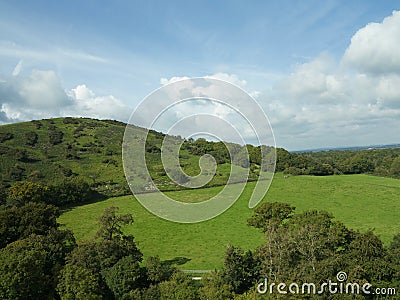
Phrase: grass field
(361, 202)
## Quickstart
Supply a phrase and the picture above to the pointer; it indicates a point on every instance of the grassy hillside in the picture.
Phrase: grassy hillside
(54, 149)
(360, 201)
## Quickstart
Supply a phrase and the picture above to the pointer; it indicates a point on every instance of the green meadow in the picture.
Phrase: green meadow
(361, 202)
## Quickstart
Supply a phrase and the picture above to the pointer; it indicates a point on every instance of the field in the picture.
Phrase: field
(361, 202)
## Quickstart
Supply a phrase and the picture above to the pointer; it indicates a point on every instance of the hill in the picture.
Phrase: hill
(52, 150)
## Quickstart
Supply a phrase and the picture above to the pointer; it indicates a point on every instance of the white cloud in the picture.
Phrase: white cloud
(87, 104)
(41, 95)
(37, 95)
(375, 47)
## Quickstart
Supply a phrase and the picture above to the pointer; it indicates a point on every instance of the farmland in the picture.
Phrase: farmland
(361, 202)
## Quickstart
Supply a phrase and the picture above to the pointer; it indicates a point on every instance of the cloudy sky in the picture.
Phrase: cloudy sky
(327, 73)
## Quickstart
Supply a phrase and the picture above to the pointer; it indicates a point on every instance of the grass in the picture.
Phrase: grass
(361, 202)
(91, 149)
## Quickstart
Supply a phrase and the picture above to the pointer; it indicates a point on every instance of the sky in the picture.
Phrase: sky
(326, 73)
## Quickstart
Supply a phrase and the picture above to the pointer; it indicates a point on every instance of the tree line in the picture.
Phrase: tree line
(40, 260)
(382, 162)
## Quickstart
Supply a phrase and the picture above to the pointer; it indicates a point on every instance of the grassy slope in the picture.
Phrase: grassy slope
(360, 201)
(90, 149)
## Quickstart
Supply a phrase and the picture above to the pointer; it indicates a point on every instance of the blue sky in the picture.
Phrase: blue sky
(302, 59)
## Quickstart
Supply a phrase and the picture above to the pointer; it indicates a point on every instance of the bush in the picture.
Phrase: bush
(70, 191)
(4, 136)
(31, 138)
(25, 191)
(55, 135)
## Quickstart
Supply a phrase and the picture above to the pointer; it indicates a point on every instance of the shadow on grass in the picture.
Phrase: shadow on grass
(179, 260)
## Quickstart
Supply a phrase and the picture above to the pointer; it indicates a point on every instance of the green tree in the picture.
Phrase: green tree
(270, 214)
(23, 192)
(55, 135)
(93, 268)
(124, 276)
(214, 287)
(111, 223)
(3, 196)
(29, 268)
(240, 269)
(179, 287)
(23, 272)
(395, 167)
(70, 191)
(31, 218)
(158, 271)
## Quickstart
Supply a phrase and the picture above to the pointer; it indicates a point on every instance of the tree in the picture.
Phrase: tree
(269, 215)
(158, 271)
(94, 269)
(359, 163)
(242, 158)
(70, 191)
(81, 277)
(124, 276)
(55, 135)
(31, 218)
(29, 268)
(240, 269)
(395, 244)
(111, 223)
(214, 287)
(395, 167)
(3, 196)
(179, 287)
(23, 192)
(23, 272)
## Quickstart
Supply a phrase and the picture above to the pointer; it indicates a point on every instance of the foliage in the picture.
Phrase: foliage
(5, 136)
(93, 268)
(179, 287)
(305, 247)
(110, 223)
(125, 275)
(55, 135)
(29, 267)
(31, 138)
(240, 271)
(31, 218)
(270, 215)
(24, 191)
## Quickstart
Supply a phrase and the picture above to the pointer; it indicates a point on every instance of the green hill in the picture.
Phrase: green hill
(52, 150)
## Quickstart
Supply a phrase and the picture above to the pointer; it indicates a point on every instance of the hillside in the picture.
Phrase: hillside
(52, 150)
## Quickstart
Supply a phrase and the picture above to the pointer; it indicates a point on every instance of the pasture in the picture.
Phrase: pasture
(361, 202)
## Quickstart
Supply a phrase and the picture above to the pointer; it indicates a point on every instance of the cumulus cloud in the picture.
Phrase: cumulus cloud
(40, 94)
(355, 101)
(375, 47)
(323, 102)
(194, 98)
(87, 104)
(37, 95)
